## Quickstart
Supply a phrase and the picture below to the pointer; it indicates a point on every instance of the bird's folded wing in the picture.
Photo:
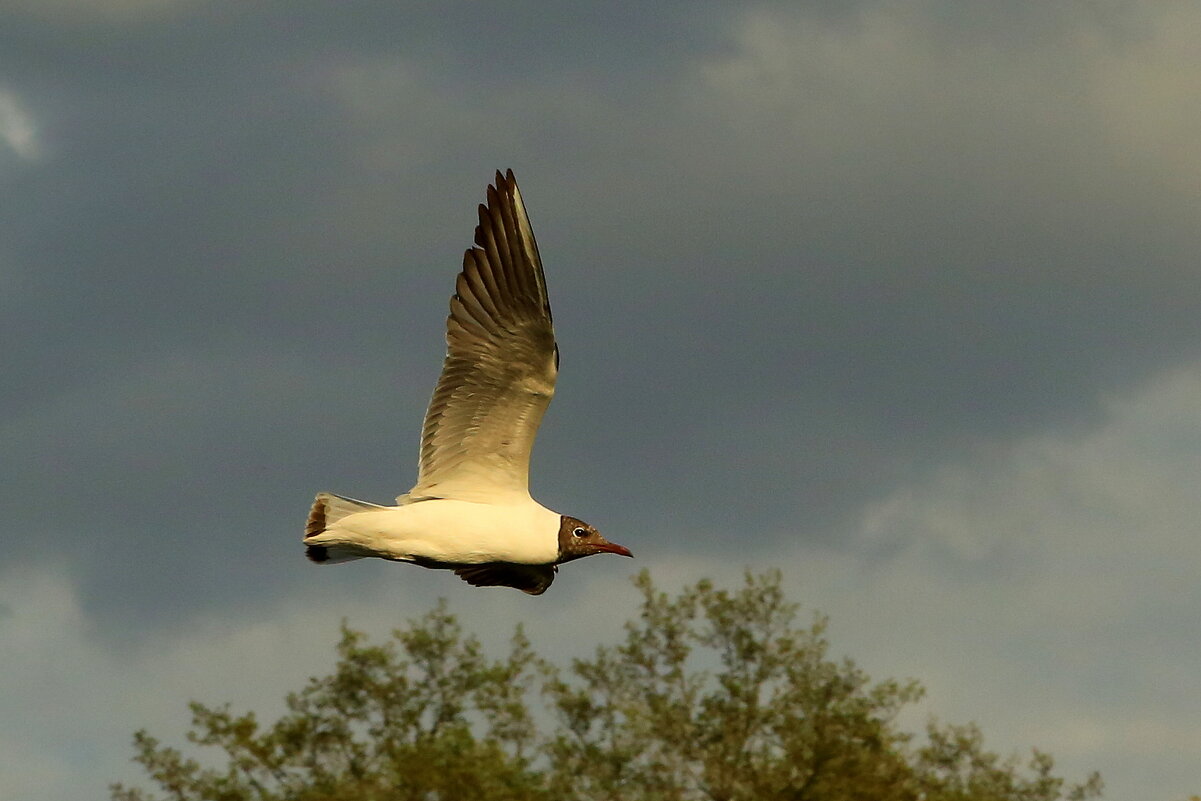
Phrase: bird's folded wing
(531, 579)
(500, 367)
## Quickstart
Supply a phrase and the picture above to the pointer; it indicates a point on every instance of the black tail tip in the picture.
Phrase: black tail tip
(316, 521)
(316, 553)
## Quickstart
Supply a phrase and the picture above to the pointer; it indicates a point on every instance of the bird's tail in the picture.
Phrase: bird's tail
(327, 510)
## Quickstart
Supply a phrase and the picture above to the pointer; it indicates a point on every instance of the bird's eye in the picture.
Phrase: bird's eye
(579, 532)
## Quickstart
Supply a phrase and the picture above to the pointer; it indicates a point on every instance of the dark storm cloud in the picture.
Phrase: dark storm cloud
(790, 262)
(201, 258)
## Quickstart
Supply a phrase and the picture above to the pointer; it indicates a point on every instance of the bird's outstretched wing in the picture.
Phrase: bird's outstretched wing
(500, 367)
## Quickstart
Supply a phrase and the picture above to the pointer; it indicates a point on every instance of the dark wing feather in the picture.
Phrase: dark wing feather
(501, 362)
(531, 579)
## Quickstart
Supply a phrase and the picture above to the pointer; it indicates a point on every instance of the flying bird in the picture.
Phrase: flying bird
(471, 509)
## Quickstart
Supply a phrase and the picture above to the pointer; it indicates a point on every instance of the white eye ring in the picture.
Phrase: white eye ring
(579, 532)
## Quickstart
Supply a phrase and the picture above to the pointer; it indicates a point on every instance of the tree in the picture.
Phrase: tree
(437, 719)
(712, 696)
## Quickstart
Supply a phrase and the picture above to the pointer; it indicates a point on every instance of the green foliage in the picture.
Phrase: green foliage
(713, 696)
(430, 719)
(954, 766)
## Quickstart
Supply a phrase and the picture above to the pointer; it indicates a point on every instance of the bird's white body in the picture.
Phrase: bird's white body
(450, 531)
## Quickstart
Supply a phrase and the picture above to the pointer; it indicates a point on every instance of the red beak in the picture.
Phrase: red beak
(612, 547)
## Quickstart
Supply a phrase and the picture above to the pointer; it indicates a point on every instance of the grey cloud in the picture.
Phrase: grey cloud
(792, 261)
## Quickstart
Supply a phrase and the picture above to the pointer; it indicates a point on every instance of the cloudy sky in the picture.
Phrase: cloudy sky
(903, 298)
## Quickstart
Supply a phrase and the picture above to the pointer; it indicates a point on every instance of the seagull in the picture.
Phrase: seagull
(471, 509)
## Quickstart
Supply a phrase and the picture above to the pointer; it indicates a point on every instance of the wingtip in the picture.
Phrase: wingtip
(503, 186)
(506, 183)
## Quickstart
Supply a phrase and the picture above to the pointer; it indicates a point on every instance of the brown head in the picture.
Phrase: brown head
(577, 539)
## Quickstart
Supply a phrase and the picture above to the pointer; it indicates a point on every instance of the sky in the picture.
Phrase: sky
(902, 298)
